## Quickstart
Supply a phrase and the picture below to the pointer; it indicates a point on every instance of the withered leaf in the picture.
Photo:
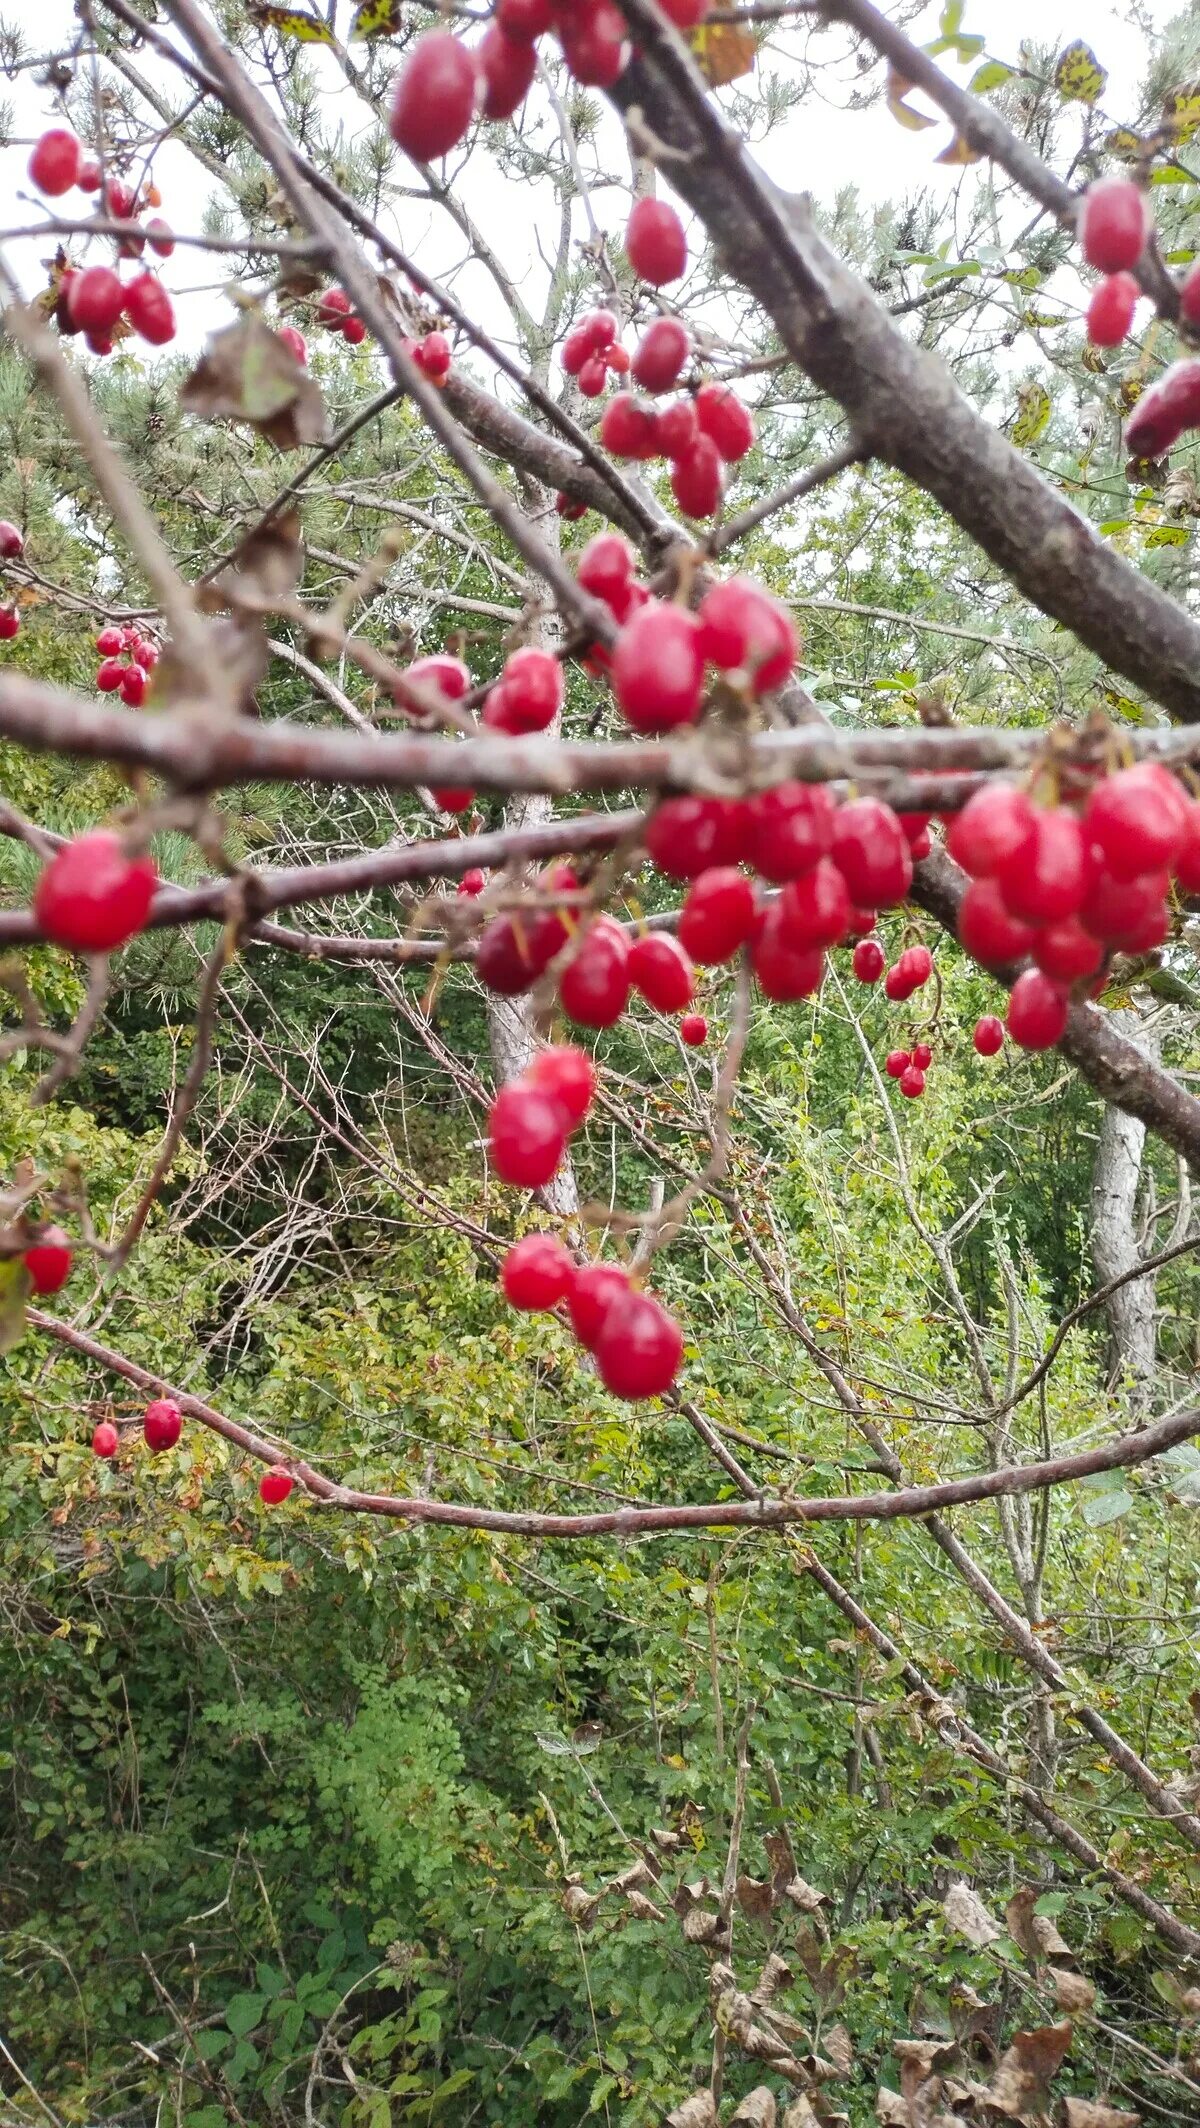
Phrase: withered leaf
(269, 563)
(776, 1974)
(755, 1898)
(967, 1914)
(580, 1905)
(1033, 1933)
(1021, 2085)
(800, 2115)
(1072, 1992)
(246, 373)
(805, 1896)
(757, 2110)
(698, 2111)
(839, 2047)
(1096, 2113)
(699, 1926)
(643, 1909)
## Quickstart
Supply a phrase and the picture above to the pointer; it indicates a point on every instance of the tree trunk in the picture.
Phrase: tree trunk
(1116, 1249)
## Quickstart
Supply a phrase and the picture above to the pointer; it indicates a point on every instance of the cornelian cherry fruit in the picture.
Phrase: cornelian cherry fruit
(685, 836)
(912, 1083)
(989, 828)
(1043, 879)
(537, 1273)
(435, 97)
(526, 1134)
(660, 354)
(697, 478)
(897, 1062)
(12, 541)
(508, 66)
(149, 309)
(55, 161)
(658, 668)
(693, 1029)
(629, 427)
(593, 988)
(593, 1289)
(1137, 818)
(105, 1440)
(567, 1077)
(655, 242)
(989, 1035)
(815, 909)
(1110, 309)
(718, 915)
(868, 961)
(1114, 222)
(662, 970)
(785, 972)
(91, 896)
(788, 829)
(639, 1347)
(95, 299)
(871, 852)
(1037, 1011)
(162, 1424)
(274, 1487)
(987, 931)
(744, 629)
(724, 419)
(48, 1261)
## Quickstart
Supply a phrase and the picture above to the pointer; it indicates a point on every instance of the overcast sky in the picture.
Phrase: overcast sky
(820, 149)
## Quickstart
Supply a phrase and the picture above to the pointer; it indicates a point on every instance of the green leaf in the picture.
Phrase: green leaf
(1168, 536)
(244, 2013)
(952, 15)
(1104, 1501)
(600, 2091)
(15, 1289)
(991, 75)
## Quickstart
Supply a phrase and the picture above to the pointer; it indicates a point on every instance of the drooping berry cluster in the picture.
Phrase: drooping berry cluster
(1115, 226)
(635, 1343)
(127, 659)
(1067, 885)
(93, 300)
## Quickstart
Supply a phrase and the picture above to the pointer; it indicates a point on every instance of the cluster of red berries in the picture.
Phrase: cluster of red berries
(591, 349)
(445, 83)
(12, 546)
(127, 660)
(636, 1345)
(93, 300)
(1115, 224)
(337, 314)
(162, 1425)
(909, 1067)
(1066, 885)
(658, 664)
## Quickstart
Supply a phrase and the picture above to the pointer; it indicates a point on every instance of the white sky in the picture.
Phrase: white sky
(819, 149)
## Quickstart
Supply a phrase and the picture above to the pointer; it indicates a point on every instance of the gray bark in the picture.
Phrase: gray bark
(1117, 1248)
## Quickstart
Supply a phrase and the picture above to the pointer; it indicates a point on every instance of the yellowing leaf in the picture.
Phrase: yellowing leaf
(1125, 143)
(1042, 320)
(1168, 536)
(1181, 110)
(1079, 76)
(376, 18)
(723, 51)
(1033, 414)
(959, 151)
(15, 1288)
(897, 89)
(290, 22)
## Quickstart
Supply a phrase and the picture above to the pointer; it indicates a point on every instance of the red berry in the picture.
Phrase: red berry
(661, 969)
(655, 242)
(629, 428)
(685, 836)
(678, 431)
(871, 853)
(594, 42)
(1137, 819)
(693, 1029)
(697, 478)
(508, 65)
(472, 882)
(435, 97)
(788, 829)
(920, 845)
(989, 1035)
(150, 310)
(861, 924)
(989, 828)
(333, 309)
(91, 896)
(533, 689)
(1122, 911)
(95, 299)
(1065, 951)
(119, 199)
(606, 568)
(815, 909)
(567, 1077)
(1043, 880)
(54, 164)
(897, 987)
(658, 668)
(526, 1134)
(91, 176)
(618, 361)
(868, 960)
(274, 1487)
(105, 1440)
(986, 929)
(48, 1261)
(744, 629)
(1037, 1011)
(718, 915)
(569, 510)
(576, 350)
(434, 357)
(452, 798)
(592, 376)
(785, 972)
(1114, 222)
(600, 327)
(99, 343)
(295, 343)
(593, 1289)
(1165, 410)
(10, 623)
(922, 1055)
(537, 1273)
(12, 541)
(525, 19)
(145, 655)
(912, 1083)
(162, 237)
(110, 675)
(133, 686)
(722, 417)
(1189, 295)
(594, 987)
(110, 643)
(1111, 308)
(685, 14)
(660, 354)
(639, 1347)
(162, 1424)
(504, 961)
(898, 1061)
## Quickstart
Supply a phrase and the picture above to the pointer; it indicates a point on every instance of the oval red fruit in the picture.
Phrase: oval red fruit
(868, 960)
(526, 1134)
(567, 1076)
(987, 930)
(784, 971)
(508, 65)
(697, 478)
(162, 1424)
(662, 970)
(1137, 818)
(105, 1440)
(685, 836)
(788, 829)
(655, 242)
(693, 1029)
(1111, 308)
(537, 1273)
(274, 1487)
(660, 354)
(593, 1289)
(1114, 222)
(989, 828)
(593, 988)
(1037, 1011)
(989, 1035)
(724, 419)
(871, 852)
(639, 1347)
(435, 96)
(718, 915)
(48, 1261)
(1043, 880)
(91, 897)
(658, 668)
(815, 909)
(55, 162)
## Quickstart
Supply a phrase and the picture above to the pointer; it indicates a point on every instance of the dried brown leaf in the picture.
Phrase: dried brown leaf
(643, 1909)
(967, 1914)
(698, 2111)
(840, 2048)
(1072, 1993)
(247, 373)
(805, 1896)
(755, 1898)
(1021, 2085)
(580, 1905)
(1096, 2113)
(757, 2110)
